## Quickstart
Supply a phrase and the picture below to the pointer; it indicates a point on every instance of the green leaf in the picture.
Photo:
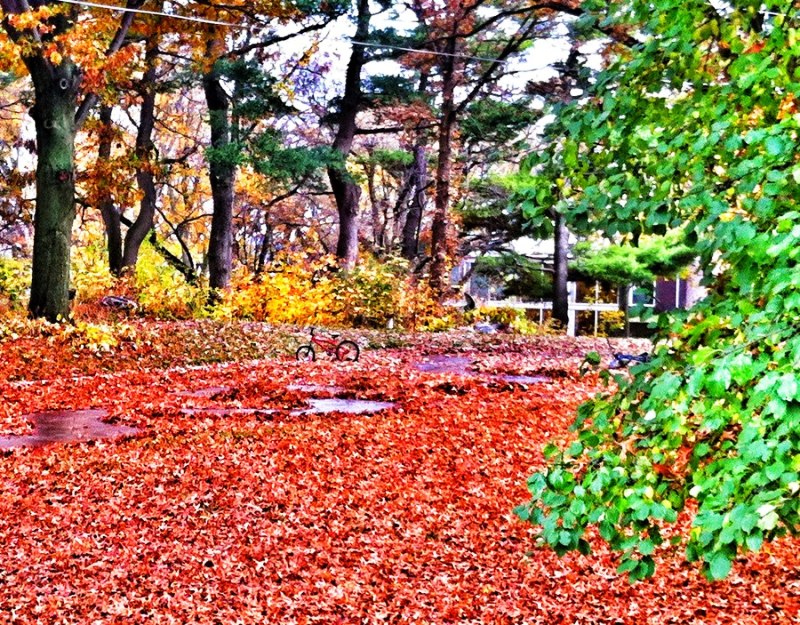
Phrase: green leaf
(775, 470)
(774, 146)
(787, 387)
(754, 542)
(719, 566)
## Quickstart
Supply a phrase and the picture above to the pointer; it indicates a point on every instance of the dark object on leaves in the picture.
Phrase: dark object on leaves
(620, 361)
(118, 302)
(470, 305)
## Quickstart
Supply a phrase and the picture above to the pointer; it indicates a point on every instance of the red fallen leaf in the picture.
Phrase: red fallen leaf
(756, 47)
(400, 517)
(665, 470)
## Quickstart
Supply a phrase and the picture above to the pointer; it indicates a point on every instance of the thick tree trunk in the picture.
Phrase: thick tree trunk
(54, 115)
(144, 169)
(438, 279)
(222, 172)
(560, 258)
(107, 207)
(347, 198)
(410, 246)
(345, 191)
(57, 120)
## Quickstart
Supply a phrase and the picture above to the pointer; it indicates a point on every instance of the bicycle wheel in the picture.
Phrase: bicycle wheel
(347, 350)
(305, 353)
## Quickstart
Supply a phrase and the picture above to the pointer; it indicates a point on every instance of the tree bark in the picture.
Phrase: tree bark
(438, 278)
(56, 88)
(377, 205)
(410, 246)
(222, 172)
(560, 260)
(144, 163)
(345, 191)
(107, 207)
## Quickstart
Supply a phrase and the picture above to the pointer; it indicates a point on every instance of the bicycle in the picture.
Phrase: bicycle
(621, 360)
(344, 350)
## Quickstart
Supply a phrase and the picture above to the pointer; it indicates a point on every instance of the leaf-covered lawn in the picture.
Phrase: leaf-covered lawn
(271, 516)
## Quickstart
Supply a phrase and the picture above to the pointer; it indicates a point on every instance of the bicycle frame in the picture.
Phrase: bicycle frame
(341, 349)
(328, 344)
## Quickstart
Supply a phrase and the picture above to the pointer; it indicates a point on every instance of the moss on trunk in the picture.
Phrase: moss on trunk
(54, 114)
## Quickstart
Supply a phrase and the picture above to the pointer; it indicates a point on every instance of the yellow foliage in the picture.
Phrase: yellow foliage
(513, 319)
(90, 276)
(294, 289)
(15, 279)
(303, 290)
(163, 292)
(298, 288)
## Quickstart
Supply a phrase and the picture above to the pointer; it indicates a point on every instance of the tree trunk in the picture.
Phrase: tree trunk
(222, 172)
(56, 87)
(377, 204)
(345, 191)
(107, 207)
(438, 279)
(54, 116)
(410, 246)
(144, 164)
(347, 196)
(560, 258)
(264, 249)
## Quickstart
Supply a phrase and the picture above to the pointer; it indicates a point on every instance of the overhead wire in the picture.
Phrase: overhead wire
(203, 20)
(188, 18)
(414, 50)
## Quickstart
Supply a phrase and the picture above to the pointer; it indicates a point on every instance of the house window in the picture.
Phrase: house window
(641, 296)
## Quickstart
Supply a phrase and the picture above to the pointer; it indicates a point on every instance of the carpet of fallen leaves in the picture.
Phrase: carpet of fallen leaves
(231, 506)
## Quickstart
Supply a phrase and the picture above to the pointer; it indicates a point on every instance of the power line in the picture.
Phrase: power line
(414, 50)
(188, 18)
(202, 20)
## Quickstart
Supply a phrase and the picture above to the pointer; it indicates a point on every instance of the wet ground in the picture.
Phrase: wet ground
(349, 406)
(66, 426)
(446, 364)
(460, 365)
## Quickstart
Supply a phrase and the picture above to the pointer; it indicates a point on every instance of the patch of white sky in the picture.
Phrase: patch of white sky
(535, 63)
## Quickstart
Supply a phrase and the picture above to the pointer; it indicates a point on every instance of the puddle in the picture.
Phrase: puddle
(66, 426)
(524, 379)
(445, 364)
(460, 365)
(349, 406)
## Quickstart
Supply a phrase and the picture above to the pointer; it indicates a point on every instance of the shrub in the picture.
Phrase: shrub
(514, 319)
(301, 289)
(162, 291)
(294, 289)
(15, 278)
